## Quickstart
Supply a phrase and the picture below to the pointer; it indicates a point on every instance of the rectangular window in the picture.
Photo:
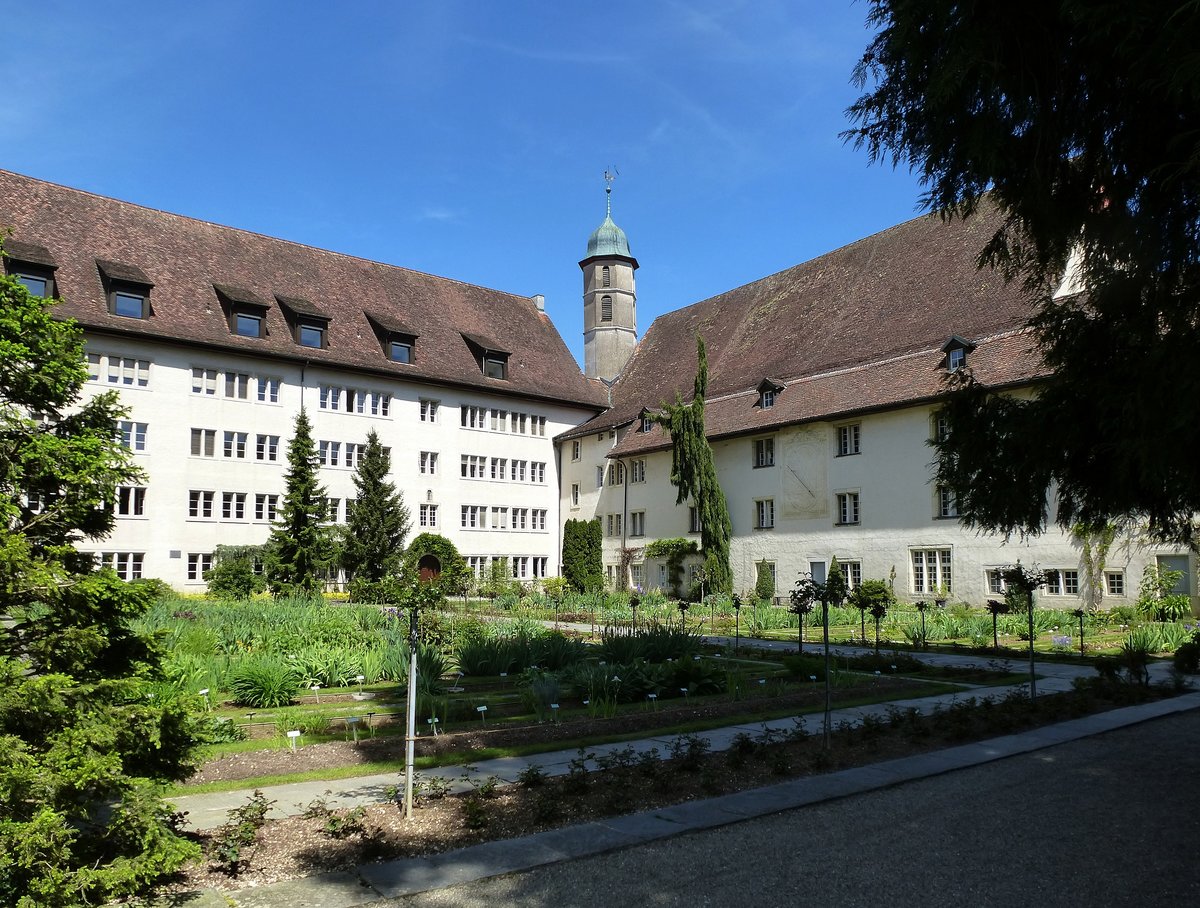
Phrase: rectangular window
(576, 449)
(237, 385)
(574, 494)
(128, 565)
(331, 398)
(329, 453)
(131, 501)
(381, 404)
(204, 381)
(472, 466)
(764, 452)
(616, 473)
(354, 454)
(333, 507)
(637, 523)
(400, 351)
(1114, 581)
(428, 515)
(931, 570)
(429, 410)
(93, 366)
(941, 427)
(539, 519)
(764, 513)
(519, 470)
(499, 420)
(235, 444)
(520, 518)
(539, 565)
(637, 471)
(495, 366)
(848, 440)
(1061, 582)
(852, 572)
(268, 390)
(310, 334)
(520, 423)
(473, 417)
(123, 370)
(265, 507)
(247, 325)
(266, 447)
(693, 519)
(233, 505)
(474, 517)
(614, 524)
(499, 518)
(599, 477)
(847, 508)
(198, 563)
(133, 435)
(947, 502)
(36, 285)
(129, 304)
(537, 426)
(204, 442)
(428, 462)
(200, 504)
(995, 582)
(766, 399)
(537, 472)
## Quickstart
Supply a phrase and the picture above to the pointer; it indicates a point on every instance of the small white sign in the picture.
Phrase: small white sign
(554, 706)
(352, 720)
(504, 674)
(293, 734)
(480, 709)
(204, 692)
(651, 696)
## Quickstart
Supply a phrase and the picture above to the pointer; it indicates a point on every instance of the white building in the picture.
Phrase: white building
(823, 391)
(823, 387)
(216, 337)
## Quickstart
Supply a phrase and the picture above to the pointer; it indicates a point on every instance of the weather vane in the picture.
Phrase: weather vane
(609, 176)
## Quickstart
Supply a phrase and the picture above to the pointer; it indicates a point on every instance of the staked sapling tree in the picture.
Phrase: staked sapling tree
(373, 541)
(300, 548)
(85, 750)
(1080, 122)
(694, 475)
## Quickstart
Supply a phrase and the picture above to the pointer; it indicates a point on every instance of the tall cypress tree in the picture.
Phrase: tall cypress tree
(373, 547)
(300, 549)
(694, 474)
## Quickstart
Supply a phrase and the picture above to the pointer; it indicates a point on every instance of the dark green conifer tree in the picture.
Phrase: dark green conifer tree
(373, 544)
(300, 549)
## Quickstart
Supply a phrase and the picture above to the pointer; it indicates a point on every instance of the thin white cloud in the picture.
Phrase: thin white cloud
(438, 214)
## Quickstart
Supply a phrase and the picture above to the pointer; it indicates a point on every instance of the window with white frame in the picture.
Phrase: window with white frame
(237, 385)
(847, 508)
(1114, 582)
(614, 524)
(197, 564)
(356, 400)
(233, 505)
(947, 503)
(637, 523)
(764, 452)
(128, 372)
(354, 454)
(499, 467)
(764, 513)
(499, 420)
(266, 506)
(473, 417)
(539, 563)
(637, 574)
(428, 462)
(693, 519)
(200, 503)
(1061, 582)
(576, 450)
(849, 438)
(599, 477)
(428, 515)
(574, 494)
(381, 404)
(235, 445)
(520, 518)
(204, 442)
(637, 470)
(537, 472)
(538, 516)
(333, 508)
(519, 470)
(499, 518)
(330, 397)
(472, 466)
(616, 473)
(268, 390)
(766, 398)
(128, 565)
(131, 501)
(474, 517)
(133, 434)
(995, 581)
(931, 570)
(429, 410)
(93, 366)
(941, 426)
(537, 426)
(266, 447)
(852, 573)
(329, 453)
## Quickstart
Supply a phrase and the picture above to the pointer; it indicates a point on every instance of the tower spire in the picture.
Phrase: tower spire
(609, 176)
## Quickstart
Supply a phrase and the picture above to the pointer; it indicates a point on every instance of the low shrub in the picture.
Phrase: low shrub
(1187, 657)
(264, 682)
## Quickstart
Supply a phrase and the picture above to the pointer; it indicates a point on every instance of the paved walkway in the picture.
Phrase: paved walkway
(396, 878)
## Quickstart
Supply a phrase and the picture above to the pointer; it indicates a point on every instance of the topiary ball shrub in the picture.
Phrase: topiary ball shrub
(264, 683)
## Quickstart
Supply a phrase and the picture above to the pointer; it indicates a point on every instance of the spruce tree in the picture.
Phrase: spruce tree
(300, 549)
(373, 544)
(694, 475)
(88, 737)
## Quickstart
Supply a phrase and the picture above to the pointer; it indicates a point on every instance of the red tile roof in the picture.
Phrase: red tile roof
(186, 260)
(859, 328)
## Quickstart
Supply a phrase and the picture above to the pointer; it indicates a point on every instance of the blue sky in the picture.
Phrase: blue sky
(467, 139)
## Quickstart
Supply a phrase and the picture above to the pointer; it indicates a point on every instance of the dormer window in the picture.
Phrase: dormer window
(956, 350)
(493, 361)
(768, 389)
(398, 340)
(127, 288)
(647, 422)
(31, 266)
(310, 326)
(245, 311)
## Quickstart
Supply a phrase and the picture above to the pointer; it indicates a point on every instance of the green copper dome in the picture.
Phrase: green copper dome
(608, 240)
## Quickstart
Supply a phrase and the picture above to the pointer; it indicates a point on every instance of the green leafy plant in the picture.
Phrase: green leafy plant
(264, 682)
(228, 849)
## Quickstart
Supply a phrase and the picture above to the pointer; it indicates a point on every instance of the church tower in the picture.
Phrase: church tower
(609, 298)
